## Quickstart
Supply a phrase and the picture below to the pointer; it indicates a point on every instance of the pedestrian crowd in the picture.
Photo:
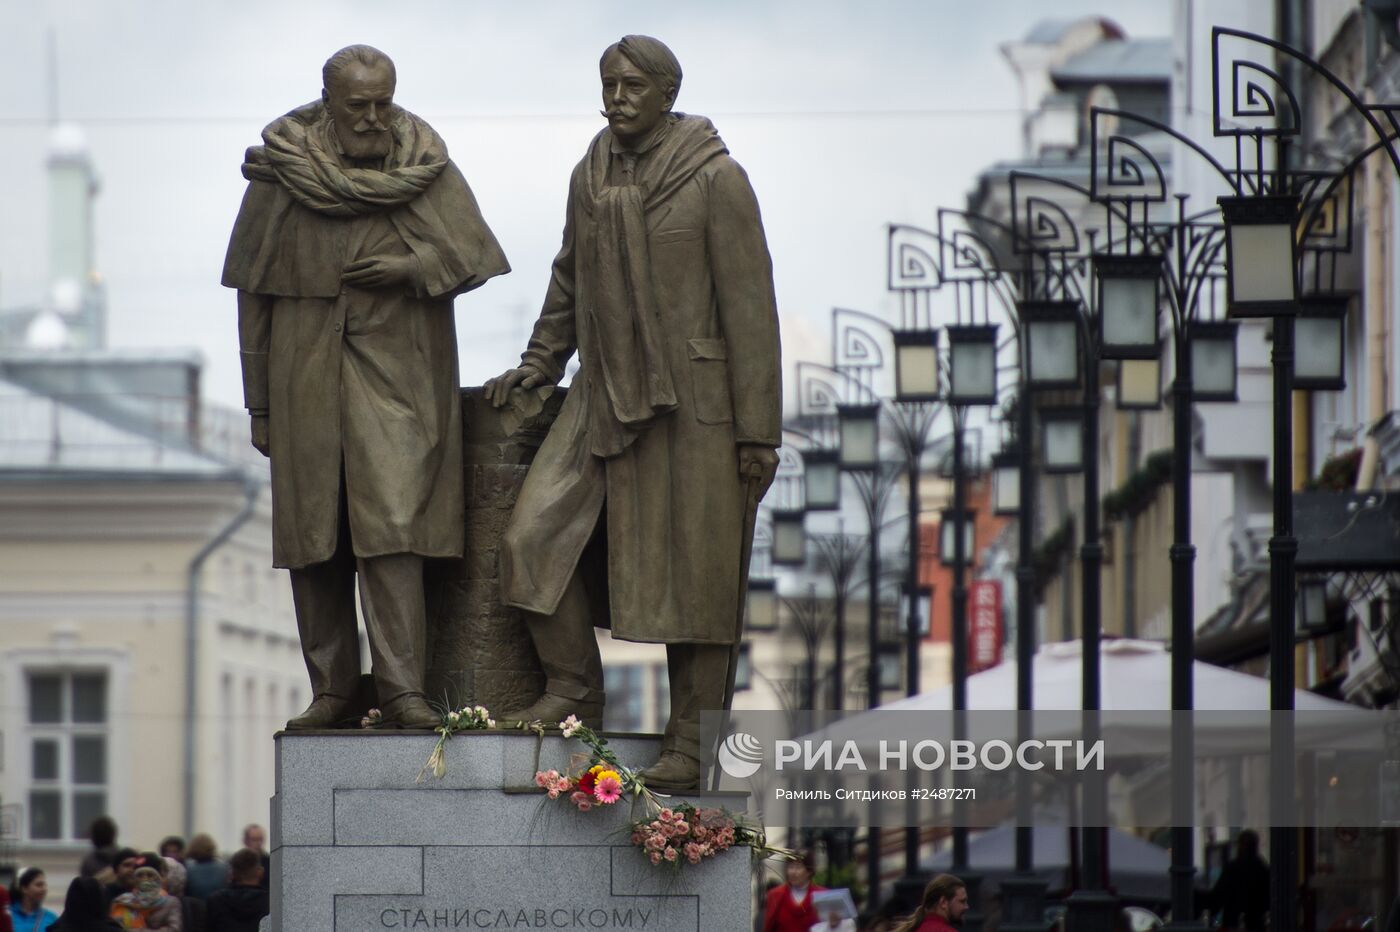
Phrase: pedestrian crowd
(791, 906)
(178, 888)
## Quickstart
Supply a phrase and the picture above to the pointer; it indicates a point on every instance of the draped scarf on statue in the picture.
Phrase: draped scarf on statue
(277, 248)
(300, 152)
(621, 302)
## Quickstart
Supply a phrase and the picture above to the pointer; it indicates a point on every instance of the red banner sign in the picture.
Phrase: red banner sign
(984, 642)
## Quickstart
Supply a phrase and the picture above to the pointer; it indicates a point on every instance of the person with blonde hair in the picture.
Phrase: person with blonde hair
(942, 906)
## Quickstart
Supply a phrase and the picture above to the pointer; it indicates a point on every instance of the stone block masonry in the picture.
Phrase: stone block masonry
(359, 846)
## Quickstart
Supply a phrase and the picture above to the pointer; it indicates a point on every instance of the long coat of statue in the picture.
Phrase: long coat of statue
(361, 384)
(664, 287)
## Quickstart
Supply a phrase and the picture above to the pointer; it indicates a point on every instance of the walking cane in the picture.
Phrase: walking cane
(753, 489)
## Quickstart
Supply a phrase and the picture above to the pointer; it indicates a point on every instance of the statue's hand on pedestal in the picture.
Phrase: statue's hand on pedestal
(526, 377)
(260, 436)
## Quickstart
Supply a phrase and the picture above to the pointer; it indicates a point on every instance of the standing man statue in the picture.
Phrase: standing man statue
(664, 286)
(355, 235)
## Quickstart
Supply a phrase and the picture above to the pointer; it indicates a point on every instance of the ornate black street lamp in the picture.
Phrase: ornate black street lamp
(909, 419)
(920, 263)
(1064, 325)
(1263, 217)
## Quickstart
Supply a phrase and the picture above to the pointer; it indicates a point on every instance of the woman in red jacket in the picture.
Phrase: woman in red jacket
(789, 906)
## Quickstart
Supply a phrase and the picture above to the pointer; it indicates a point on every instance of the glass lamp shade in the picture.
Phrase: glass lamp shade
(972, 364)
(1051, 330)
(922, 606)
(1063, 438)
(1260, 255)
(761, 605)
(1312, 605)
(891, 658)
(1128, 305)
(1213, 368)
(860, 436)
(916, 365)
(1006, 483)
(1319, 343)
(948, 537)
(743, 669)
(821, 479)
(1140, 384)
(789, 538)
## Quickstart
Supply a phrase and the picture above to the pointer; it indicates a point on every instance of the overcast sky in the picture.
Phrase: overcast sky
(847, 117)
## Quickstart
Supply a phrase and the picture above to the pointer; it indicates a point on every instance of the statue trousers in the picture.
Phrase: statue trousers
(392, 598)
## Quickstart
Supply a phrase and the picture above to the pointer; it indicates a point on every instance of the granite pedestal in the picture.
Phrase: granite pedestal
(358, 846)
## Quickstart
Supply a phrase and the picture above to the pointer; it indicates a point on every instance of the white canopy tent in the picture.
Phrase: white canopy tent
(1135, 676)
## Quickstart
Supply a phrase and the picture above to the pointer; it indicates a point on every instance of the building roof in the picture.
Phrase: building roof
(42, 434)
(1118, 61)
(1051, 31)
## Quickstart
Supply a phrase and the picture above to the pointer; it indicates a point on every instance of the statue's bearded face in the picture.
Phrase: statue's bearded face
(361, 101)
(633, 101)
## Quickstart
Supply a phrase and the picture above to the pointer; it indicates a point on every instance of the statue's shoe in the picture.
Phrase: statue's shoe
(549, 710)
(410, 711)
(674, 772)
(325, 711)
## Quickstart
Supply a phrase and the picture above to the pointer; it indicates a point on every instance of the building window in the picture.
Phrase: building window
(67, 736)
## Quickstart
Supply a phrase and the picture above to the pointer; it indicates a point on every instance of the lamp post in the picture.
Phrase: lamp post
(1263, 219)
(1067, 325)
(1176, 261)
(839, 556)
(920, 263)
(910, 418)
(856, 413)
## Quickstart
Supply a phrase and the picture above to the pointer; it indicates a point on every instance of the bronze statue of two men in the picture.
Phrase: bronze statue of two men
(355, 235)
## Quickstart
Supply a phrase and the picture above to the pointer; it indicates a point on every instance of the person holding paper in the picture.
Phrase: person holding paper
(789, 907)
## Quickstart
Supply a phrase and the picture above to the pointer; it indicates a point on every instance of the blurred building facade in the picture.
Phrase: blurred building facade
(1346, 449)
(149, 649)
